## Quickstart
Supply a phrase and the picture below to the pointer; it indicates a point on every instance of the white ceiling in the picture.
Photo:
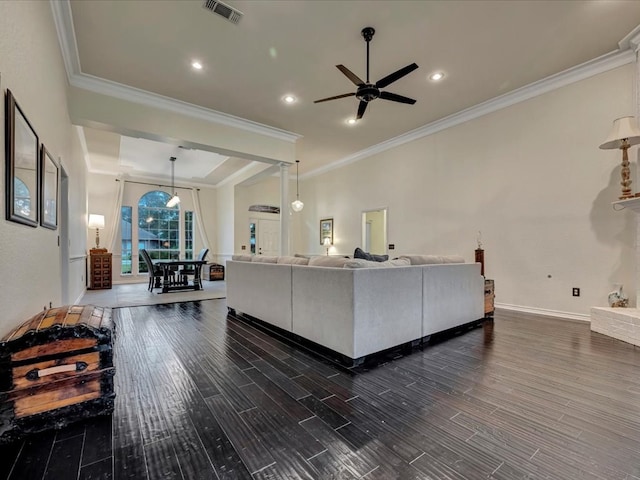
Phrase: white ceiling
(485, 48)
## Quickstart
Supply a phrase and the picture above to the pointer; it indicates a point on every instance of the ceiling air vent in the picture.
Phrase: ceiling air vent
(223, 10)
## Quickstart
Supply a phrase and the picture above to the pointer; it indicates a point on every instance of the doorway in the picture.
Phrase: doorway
(374, 231)
(264, 236)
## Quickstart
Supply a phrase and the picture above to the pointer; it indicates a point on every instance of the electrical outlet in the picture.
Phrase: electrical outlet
(392, 246)
(244, 247)
(576, 292)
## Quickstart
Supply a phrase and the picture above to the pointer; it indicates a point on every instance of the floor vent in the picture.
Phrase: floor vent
(223, 10)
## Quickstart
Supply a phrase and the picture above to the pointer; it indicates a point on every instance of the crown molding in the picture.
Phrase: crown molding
(586, 70)
(63, 19)
(142, 97)
(631, 40)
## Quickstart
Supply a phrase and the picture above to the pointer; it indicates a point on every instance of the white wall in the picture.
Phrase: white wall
(530, 177)
(31, 67)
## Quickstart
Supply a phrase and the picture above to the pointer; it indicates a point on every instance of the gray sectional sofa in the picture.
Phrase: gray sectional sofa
(355, 307)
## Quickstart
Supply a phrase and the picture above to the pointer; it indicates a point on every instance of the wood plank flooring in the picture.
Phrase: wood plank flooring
(201, 396)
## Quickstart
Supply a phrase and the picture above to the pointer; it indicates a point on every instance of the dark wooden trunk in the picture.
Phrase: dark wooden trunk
(56, 368)
(213, 271)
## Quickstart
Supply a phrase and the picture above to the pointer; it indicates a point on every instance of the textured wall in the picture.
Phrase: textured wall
(31, 67)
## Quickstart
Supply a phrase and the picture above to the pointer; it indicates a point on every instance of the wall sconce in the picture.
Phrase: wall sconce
(97, 222)
(625, 133)
(327, 244)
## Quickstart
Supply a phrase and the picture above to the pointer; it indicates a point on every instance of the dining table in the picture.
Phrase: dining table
(173, 280)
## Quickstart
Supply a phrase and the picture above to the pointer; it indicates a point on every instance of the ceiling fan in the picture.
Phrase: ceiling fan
(370, 91)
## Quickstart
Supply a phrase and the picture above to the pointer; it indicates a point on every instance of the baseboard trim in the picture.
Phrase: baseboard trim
(580, 317)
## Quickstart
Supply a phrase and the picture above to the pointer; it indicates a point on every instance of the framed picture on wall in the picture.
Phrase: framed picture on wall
(21, 165)
(326, 230)
(49, 174)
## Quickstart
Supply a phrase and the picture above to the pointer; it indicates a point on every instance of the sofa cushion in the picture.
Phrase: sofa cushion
(452, 259)
(293, 260)
(361, 263)
(326, 261)
(432, 259)
(241, 258)
(264, 259)
(359, 253)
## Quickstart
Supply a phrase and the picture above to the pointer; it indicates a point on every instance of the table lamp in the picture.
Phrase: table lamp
(625, 133)
(97, 222)
(327, 244)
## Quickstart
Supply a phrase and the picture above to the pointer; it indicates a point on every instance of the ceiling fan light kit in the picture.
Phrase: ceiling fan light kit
(366, 91)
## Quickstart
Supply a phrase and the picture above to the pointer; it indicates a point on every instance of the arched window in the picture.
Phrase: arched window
(158, 227)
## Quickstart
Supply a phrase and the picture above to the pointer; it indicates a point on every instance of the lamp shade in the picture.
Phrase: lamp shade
(297, 205)
(623, 128)
(175, 200)
(96, 221)
(327, 242)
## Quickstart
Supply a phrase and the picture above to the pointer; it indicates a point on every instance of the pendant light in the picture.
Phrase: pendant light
(297, 205)
(175, 200)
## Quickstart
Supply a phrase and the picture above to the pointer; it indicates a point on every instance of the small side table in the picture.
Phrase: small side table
(489, 297)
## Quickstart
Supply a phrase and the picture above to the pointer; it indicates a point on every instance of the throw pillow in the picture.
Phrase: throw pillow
(359, 253)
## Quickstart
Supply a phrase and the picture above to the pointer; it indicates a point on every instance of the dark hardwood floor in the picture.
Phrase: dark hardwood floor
(201, 396)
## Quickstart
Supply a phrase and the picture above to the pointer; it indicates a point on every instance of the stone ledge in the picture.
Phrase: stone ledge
(620, 323)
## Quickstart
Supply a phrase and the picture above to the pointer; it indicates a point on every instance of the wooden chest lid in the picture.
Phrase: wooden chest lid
(83, 320)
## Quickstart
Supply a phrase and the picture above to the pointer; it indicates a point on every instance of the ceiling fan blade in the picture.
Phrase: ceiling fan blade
(397, 75)
(361, 108)
(344, 95)
(396, 98)
(350, 75)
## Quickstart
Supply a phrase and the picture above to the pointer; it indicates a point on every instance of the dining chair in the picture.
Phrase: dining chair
(155, 272)
(192, 271)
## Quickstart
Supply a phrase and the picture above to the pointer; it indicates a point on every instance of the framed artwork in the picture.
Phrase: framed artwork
(49, 173)
(326, 230)
(21, 165)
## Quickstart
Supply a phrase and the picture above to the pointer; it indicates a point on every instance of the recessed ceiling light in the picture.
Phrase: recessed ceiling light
(196, 65)
(436, 76)
(289, 99)
(351, 121)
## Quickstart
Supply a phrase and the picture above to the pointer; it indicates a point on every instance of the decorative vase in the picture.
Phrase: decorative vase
(617, 298)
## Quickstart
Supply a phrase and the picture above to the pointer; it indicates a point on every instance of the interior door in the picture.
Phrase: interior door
(267, 236)
(374, 231)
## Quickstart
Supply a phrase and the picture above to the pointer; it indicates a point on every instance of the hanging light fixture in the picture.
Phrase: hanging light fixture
(175, 200)
(297, 205)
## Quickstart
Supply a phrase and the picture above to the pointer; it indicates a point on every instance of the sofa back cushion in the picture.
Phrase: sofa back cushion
(241, 258)
(432, 259)
(360, 263)
(326, 261)
(293, 260)
(264, 259)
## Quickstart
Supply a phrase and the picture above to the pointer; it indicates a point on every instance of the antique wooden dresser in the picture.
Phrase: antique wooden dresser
(100, 269)
(55, 369)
